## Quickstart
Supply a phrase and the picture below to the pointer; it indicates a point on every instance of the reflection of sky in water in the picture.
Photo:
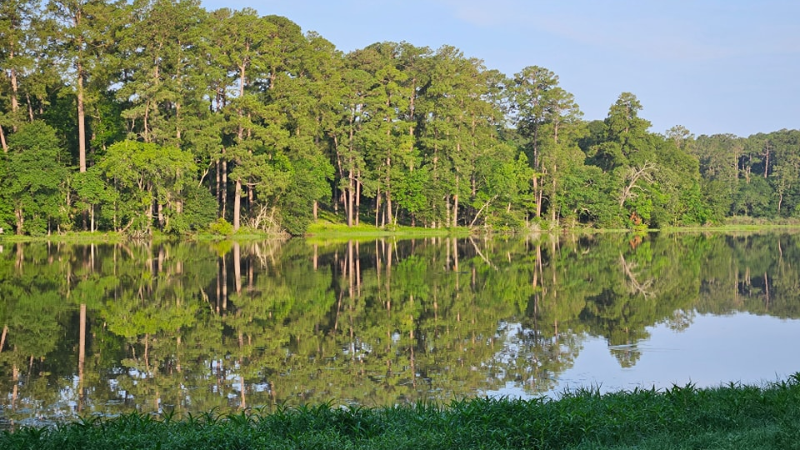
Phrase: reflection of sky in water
(713, 350)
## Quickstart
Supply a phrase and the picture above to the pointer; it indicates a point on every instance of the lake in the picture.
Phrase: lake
(191, 327)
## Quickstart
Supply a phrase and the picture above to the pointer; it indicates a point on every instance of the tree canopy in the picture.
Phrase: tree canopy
(150, 109)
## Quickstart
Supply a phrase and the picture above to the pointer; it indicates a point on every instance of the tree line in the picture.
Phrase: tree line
(158, 114)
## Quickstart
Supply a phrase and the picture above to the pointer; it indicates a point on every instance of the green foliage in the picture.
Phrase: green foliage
(199, 208)
(6, 210)
(753, 198)
(34, 184)
(221, 227)
(145, 177)
(307, 186)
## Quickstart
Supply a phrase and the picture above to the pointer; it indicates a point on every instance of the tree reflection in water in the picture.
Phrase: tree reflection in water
(192, 327)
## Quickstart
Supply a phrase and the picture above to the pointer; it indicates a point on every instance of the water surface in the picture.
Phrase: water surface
(107, 329)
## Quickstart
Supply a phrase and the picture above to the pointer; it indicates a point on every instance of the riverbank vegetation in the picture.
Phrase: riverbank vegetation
(683, 417)
(160, 115)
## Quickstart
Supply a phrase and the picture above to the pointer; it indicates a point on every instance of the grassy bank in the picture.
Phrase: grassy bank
(83, 237)
(329, 230)
(732, 417)
(732, 228)
(321, 230)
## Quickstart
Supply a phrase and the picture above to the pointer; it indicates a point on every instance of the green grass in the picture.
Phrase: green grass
(732, 228)
(730, 417)
(324, 229)
(246, 235)
(742, 224)
(80, 237)
(331, 228)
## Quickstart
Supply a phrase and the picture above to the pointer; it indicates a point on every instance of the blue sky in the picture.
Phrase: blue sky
(713, 66)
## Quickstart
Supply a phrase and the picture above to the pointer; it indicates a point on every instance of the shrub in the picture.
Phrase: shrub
(221, 227)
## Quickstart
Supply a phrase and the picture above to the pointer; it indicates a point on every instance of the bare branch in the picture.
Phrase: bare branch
(633, 284)
(632, 177)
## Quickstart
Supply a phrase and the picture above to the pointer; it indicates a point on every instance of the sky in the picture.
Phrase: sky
(711, 351)
(712, 66)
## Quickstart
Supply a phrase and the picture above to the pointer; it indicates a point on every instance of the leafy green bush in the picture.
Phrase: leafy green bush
(221, 227)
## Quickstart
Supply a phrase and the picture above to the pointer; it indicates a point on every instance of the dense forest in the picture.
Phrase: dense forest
(158, 114)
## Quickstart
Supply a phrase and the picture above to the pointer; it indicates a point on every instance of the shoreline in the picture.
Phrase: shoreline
(363, 233)
(333, 232)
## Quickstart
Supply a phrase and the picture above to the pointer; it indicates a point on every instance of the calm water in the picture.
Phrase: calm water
(105, 329)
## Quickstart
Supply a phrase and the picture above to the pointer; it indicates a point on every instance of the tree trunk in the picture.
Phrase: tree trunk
(553, 198)
(3, 338)
(474, 219)
(82, 343)
(224, 191)
(377, 206)
(455, 210)
(218, 191)
(237, 267)
(178, 122)
(447, 211)
(224, 285)
(30, 107)
(411, 114)
(350, 200)
(237, 204)
(81, 123)
(14, 86)
(149, 215)
(389, 218)
(3, 140)
(358, 201)
(20, 220)
(388, 191)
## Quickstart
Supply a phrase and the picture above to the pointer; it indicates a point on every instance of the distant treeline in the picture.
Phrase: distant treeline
(131, 116)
